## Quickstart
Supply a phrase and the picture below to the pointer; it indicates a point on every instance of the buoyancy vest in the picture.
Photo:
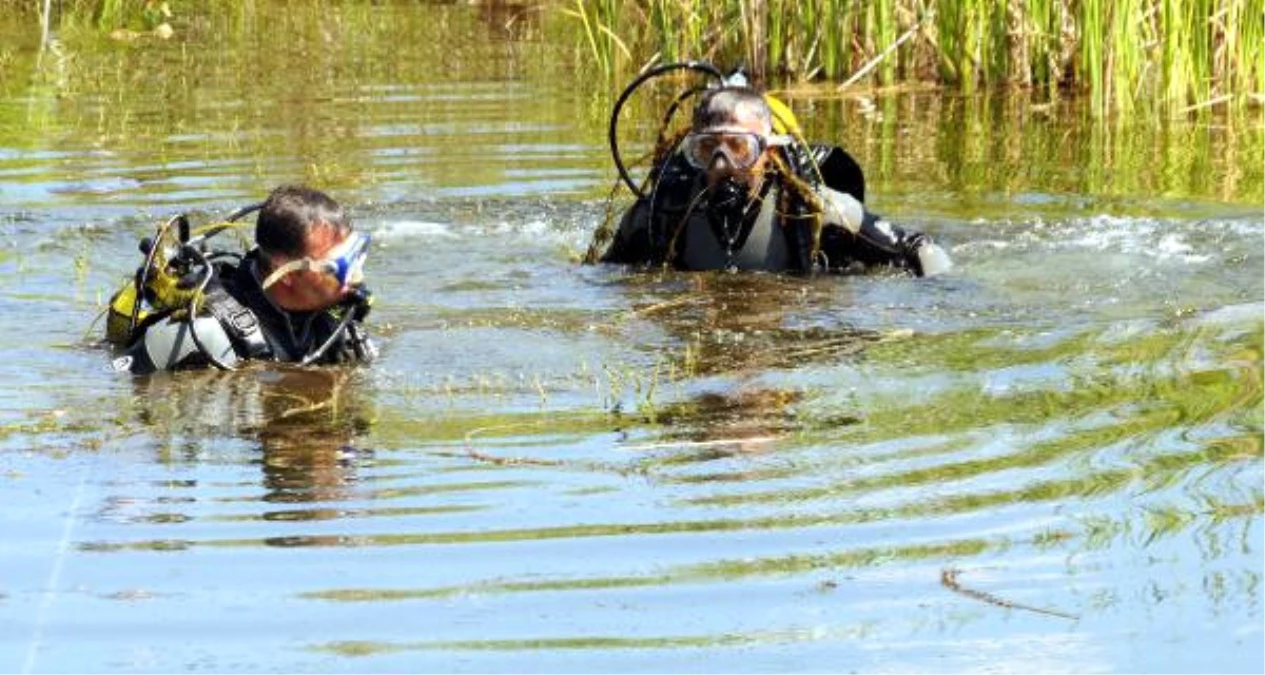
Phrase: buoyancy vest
(766, 240)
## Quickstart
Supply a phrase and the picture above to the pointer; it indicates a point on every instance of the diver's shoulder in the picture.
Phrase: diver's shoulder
(831, 165)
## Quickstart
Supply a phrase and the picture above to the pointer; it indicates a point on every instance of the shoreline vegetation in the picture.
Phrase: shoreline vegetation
(1175, 55)
(1170, 56)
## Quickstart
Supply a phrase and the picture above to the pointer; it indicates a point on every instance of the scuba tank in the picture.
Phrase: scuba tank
(122, 316)
(171, 280)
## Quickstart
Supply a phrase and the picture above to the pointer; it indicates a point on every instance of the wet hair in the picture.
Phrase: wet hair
(717, 107)
(290, 214)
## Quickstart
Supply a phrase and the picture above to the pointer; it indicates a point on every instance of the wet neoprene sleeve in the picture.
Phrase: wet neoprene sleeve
(877, 240)
(631, 243)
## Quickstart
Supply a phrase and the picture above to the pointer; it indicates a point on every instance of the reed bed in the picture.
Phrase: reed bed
(109, 15)
(1179, 54)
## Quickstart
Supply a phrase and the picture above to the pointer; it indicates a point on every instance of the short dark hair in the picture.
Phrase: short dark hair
(718, 106)
(290, 214)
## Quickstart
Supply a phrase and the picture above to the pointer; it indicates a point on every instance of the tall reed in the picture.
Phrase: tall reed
(600, 20)
(1174, 54)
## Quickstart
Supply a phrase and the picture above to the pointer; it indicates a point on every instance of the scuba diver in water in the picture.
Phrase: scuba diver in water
(741, 190)
(189, 306)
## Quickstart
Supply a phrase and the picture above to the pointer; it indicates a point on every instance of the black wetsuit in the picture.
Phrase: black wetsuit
(244, 324)
(753, 234)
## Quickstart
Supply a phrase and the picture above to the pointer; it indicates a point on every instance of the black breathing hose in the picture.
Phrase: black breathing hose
(613, 133)
(141, 280)
(354, 306)
(249, 208)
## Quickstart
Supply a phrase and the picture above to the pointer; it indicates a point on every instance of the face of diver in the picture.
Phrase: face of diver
(722, 171)
(309, 290)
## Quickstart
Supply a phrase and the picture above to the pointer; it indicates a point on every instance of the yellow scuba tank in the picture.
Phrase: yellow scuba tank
(784, 121)
(118, 319)
(161, 284)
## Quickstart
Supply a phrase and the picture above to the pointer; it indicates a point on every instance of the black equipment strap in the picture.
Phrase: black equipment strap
(240, 323)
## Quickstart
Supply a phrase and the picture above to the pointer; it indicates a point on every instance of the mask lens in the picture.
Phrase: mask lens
(740, 149)
(355, 271)
(347, 261)
(699, 149)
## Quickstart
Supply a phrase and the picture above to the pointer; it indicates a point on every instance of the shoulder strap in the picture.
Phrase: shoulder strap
(238, 321)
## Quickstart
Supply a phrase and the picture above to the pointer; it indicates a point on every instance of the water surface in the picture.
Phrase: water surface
(1050, 460)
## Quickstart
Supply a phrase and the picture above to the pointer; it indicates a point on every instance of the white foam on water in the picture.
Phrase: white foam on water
(533, 230)
(1186, 242)
(1174, 246)
(412, 229)
(1247, 313)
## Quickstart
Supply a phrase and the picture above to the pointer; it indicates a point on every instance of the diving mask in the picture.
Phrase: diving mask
(740, 147)
(345, 262)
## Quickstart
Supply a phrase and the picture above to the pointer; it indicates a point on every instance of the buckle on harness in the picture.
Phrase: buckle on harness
(239, 322)
(244, 320)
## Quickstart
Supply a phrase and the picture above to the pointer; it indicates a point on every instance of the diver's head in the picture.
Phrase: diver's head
(310, 258)
(732, 137)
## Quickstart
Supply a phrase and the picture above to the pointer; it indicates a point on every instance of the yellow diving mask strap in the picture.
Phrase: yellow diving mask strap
(299, 265)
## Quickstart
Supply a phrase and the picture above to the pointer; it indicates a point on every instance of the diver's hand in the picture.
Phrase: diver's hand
(842, 209)
(932, 259)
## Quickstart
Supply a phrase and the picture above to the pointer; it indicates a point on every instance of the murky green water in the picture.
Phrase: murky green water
(1048, 461)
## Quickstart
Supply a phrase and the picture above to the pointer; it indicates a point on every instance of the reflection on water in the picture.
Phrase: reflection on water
(303, 420)
(1050, 460)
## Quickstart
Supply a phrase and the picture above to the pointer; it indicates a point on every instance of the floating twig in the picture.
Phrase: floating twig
(660, 306)
(949, 579)
(720, 442)
(505, 461)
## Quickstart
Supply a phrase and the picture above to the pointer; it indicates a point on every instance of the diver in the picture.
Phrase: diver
(297, 296)
(731, 194)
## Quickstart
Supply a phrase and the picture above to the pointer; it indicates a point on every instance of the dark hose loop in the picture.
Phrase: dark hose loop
(613, 134)
(243, 211)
